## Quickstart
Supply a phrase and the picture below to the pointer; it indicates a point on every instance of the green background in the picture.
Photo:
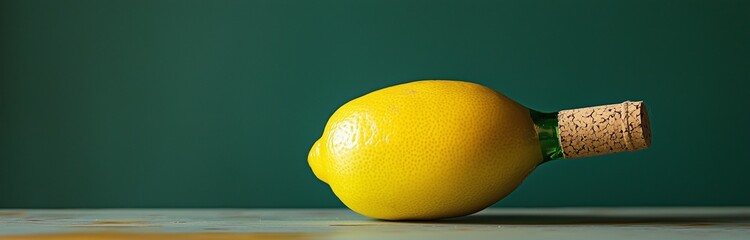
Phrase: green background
(216, 103)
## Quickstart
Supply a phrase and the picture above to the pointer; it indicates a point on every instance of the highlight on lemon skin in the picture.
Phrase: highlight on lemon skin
(426, 150)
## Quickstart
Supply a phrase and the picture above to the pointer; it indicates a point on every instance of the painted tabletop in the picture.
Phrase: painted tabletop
(496, 223)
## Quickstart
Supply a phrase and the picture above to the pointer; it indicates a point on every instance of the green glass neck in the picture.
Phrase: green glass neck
(548, 130)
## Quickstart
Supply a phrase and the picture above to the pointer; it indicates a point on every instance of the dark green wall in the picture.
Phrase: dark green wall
(216, 103)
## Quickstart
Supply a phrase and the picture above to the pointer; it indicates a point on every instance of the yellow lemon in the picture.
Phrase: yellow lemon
(426, 150)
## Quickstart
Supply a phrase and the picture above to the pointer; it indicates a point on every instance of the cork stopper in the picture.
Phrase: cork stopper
(604, 129)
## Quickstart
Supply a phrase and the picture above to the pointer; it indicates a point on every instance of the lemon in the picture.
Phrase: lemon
(426, 150)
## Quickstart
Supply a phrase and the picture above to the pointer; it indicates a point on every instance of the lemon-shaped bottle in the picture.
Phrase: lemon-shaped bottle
(435, 149)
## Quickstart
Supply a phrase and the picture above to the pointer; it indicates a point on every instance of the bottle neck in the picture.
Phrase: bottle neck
(592, 131)
(548, 130)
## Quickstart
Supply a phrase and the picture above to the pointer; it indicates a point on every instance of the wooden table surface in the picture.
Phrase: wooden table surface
(507, 223)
